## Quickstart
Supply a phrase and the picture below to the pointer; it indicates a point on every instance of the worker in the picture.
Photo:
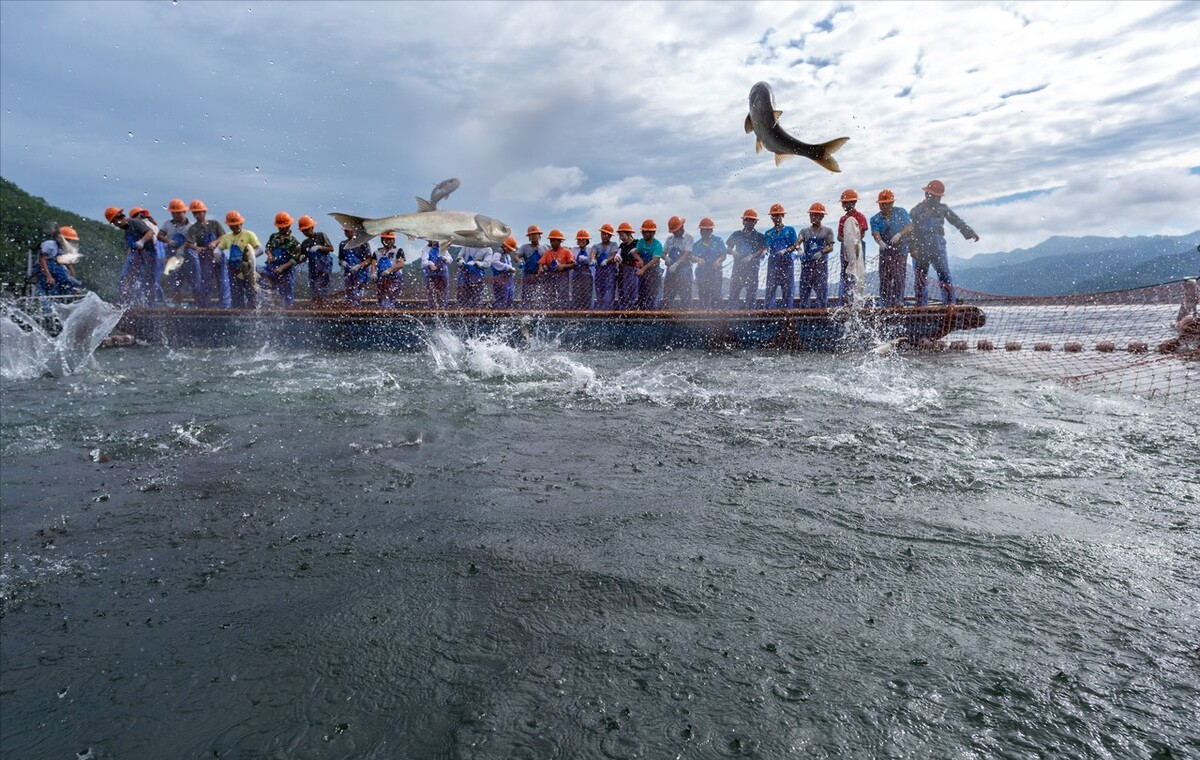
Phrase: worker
(782, 242)
(677, 260)
(928, 244)
(891, 228)
(817, 244)
(709, 253)
(747, 247)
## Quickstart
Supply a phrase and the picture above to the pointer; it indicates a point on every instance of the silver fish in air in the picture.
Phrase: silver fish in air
(763, 121)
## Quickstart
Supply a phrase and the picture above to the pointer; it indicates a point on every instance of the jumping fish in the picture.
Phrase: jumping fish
(440, 191)
(172, 263)
(70, 253)
(763, 121)
(461, 228)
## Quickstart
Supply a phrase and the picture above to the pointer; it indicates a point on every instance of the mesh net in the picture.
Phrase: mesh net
(1128, 341)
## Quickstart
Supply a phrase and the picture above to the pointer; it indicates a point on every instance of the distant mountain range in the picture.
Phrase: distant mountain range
(1065, 265)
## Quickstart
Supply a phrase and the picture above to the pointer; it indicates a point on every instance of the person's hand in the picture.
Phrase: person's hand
(896, 238)
(975, 237)
(141, 244)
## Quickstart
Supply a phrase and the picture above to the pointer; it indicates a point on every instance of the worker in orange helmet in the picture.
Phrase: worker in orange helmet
(582, 277)
(471, 276)
(816, 243)
(747, 247)
(529, 255)
(389, 271)
(606, 262)
(928, 245)
(554, 269)
(317, 250)
(504, 284)
(136, 281)
(677, 260)
(630, 263)
(782, 242)
(182, 267)
(202, 238)
(650, 251)
(853, 254)
(709, 253)
(238, 248)
(891, 228)
(283, 254)
(55, 263)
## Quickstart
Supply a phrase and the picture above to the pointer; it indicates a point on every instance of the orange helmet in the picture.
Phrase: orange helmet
(817, 208)
(849, 195)
(706, 224)
(625, 227)
(176, 204)
(777, 208)
(935, 187)
(197, 205)
(887, 196)
(675, 223)
(582, 235)
(510, 243)
(649, 226)
(234, 217)
(607, 229)
(282, 219)
(137, 210)
(556, 235)
(750, 214)
(533, 230)
(389, 235)
(306, 222)
(112, 212)
(68, 233)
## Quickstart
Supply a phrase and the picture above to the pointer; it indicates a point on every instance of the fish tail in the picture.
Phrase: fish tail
(356, 225)
(827, 149)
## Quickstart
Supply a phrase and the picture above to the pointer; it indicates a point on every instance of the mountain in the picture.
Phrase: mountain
(23, 220)
(1062, 266)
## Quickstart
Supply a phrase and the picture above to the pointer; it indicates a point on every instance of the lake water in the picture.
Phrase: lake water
(479, 551)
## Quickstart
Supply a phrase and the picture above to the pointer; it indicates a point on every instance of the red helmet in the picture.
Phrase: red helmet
(68, 233)
(234, 217)
(533, 230)
(197, 205)
(817, 208)
(306, 222)
(283, 219)
(777, 208)
(582, 235)
(112, 212)
(510, 243)
(556, 235)
(607, 229)
(886, 196)
(849, 196)
(935, 187)
(706, 224)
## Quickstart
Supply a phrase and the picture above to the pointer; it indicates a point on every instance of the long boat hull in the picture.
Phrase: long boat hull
(410, 329)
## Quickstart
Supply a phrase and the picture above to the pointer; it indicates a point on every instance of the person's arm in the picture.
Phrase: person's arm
(962, 226)
(45, 268)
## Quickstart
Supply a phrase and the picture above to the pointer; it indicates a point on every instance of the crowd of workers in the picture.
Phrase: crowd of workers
(627, 269)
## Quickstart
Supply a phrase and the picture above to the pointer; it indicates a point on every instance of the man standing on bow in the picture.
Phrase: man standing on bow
(928, 244)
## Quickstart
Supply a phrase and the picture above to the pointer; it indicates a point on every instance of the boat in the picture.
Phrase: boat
(408, 329)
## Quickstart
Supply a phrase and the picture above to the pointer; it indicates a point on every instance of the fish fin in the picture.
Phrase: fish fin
(757, 145)
(466, 233)
(424, 205)
(749, 124)
(827, 160)
(355, 225)
(777, 115)
(781, 157)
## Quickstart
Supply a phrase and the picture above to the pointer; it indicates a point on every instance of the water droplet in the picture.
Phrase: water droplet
(256, 168)
(271, 62)
(131, 134)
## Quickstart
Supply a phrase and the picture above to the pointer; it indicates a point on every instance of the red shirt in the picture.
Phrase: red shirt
(862, 224)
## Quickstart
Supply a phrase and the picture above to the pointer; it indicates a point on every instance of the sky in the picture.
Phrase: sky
(1042, 119)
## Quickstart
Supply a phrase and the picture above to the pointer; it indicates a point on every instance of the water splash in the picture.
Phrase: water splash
(28, 351)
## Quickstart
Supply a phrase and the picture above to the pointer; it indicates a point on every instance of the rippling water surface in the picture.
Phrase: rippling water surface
(488, 552)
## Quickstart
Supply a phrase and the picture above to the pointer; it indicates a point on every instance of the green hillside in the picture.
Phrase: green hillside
(23, 219)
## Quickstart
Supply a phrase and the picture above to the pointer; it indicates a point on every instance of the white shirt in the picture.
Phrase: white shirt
(443, 257)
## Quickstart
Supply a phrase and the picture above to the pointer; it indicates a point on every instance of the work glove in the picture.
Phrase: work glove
(896, 238)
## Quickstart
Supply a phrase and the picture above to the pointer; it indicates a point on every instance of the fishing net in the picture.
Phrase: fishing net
(1126, 341)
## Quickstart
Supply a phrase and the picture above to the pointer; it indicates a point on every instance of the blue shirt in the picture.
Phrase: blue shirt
(887, 228)
(709, 251)
(779, 239)
(815, 241)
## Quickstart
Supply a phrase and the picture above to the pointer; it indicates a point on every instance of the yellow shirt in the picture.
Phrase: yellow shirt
(247, 241)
